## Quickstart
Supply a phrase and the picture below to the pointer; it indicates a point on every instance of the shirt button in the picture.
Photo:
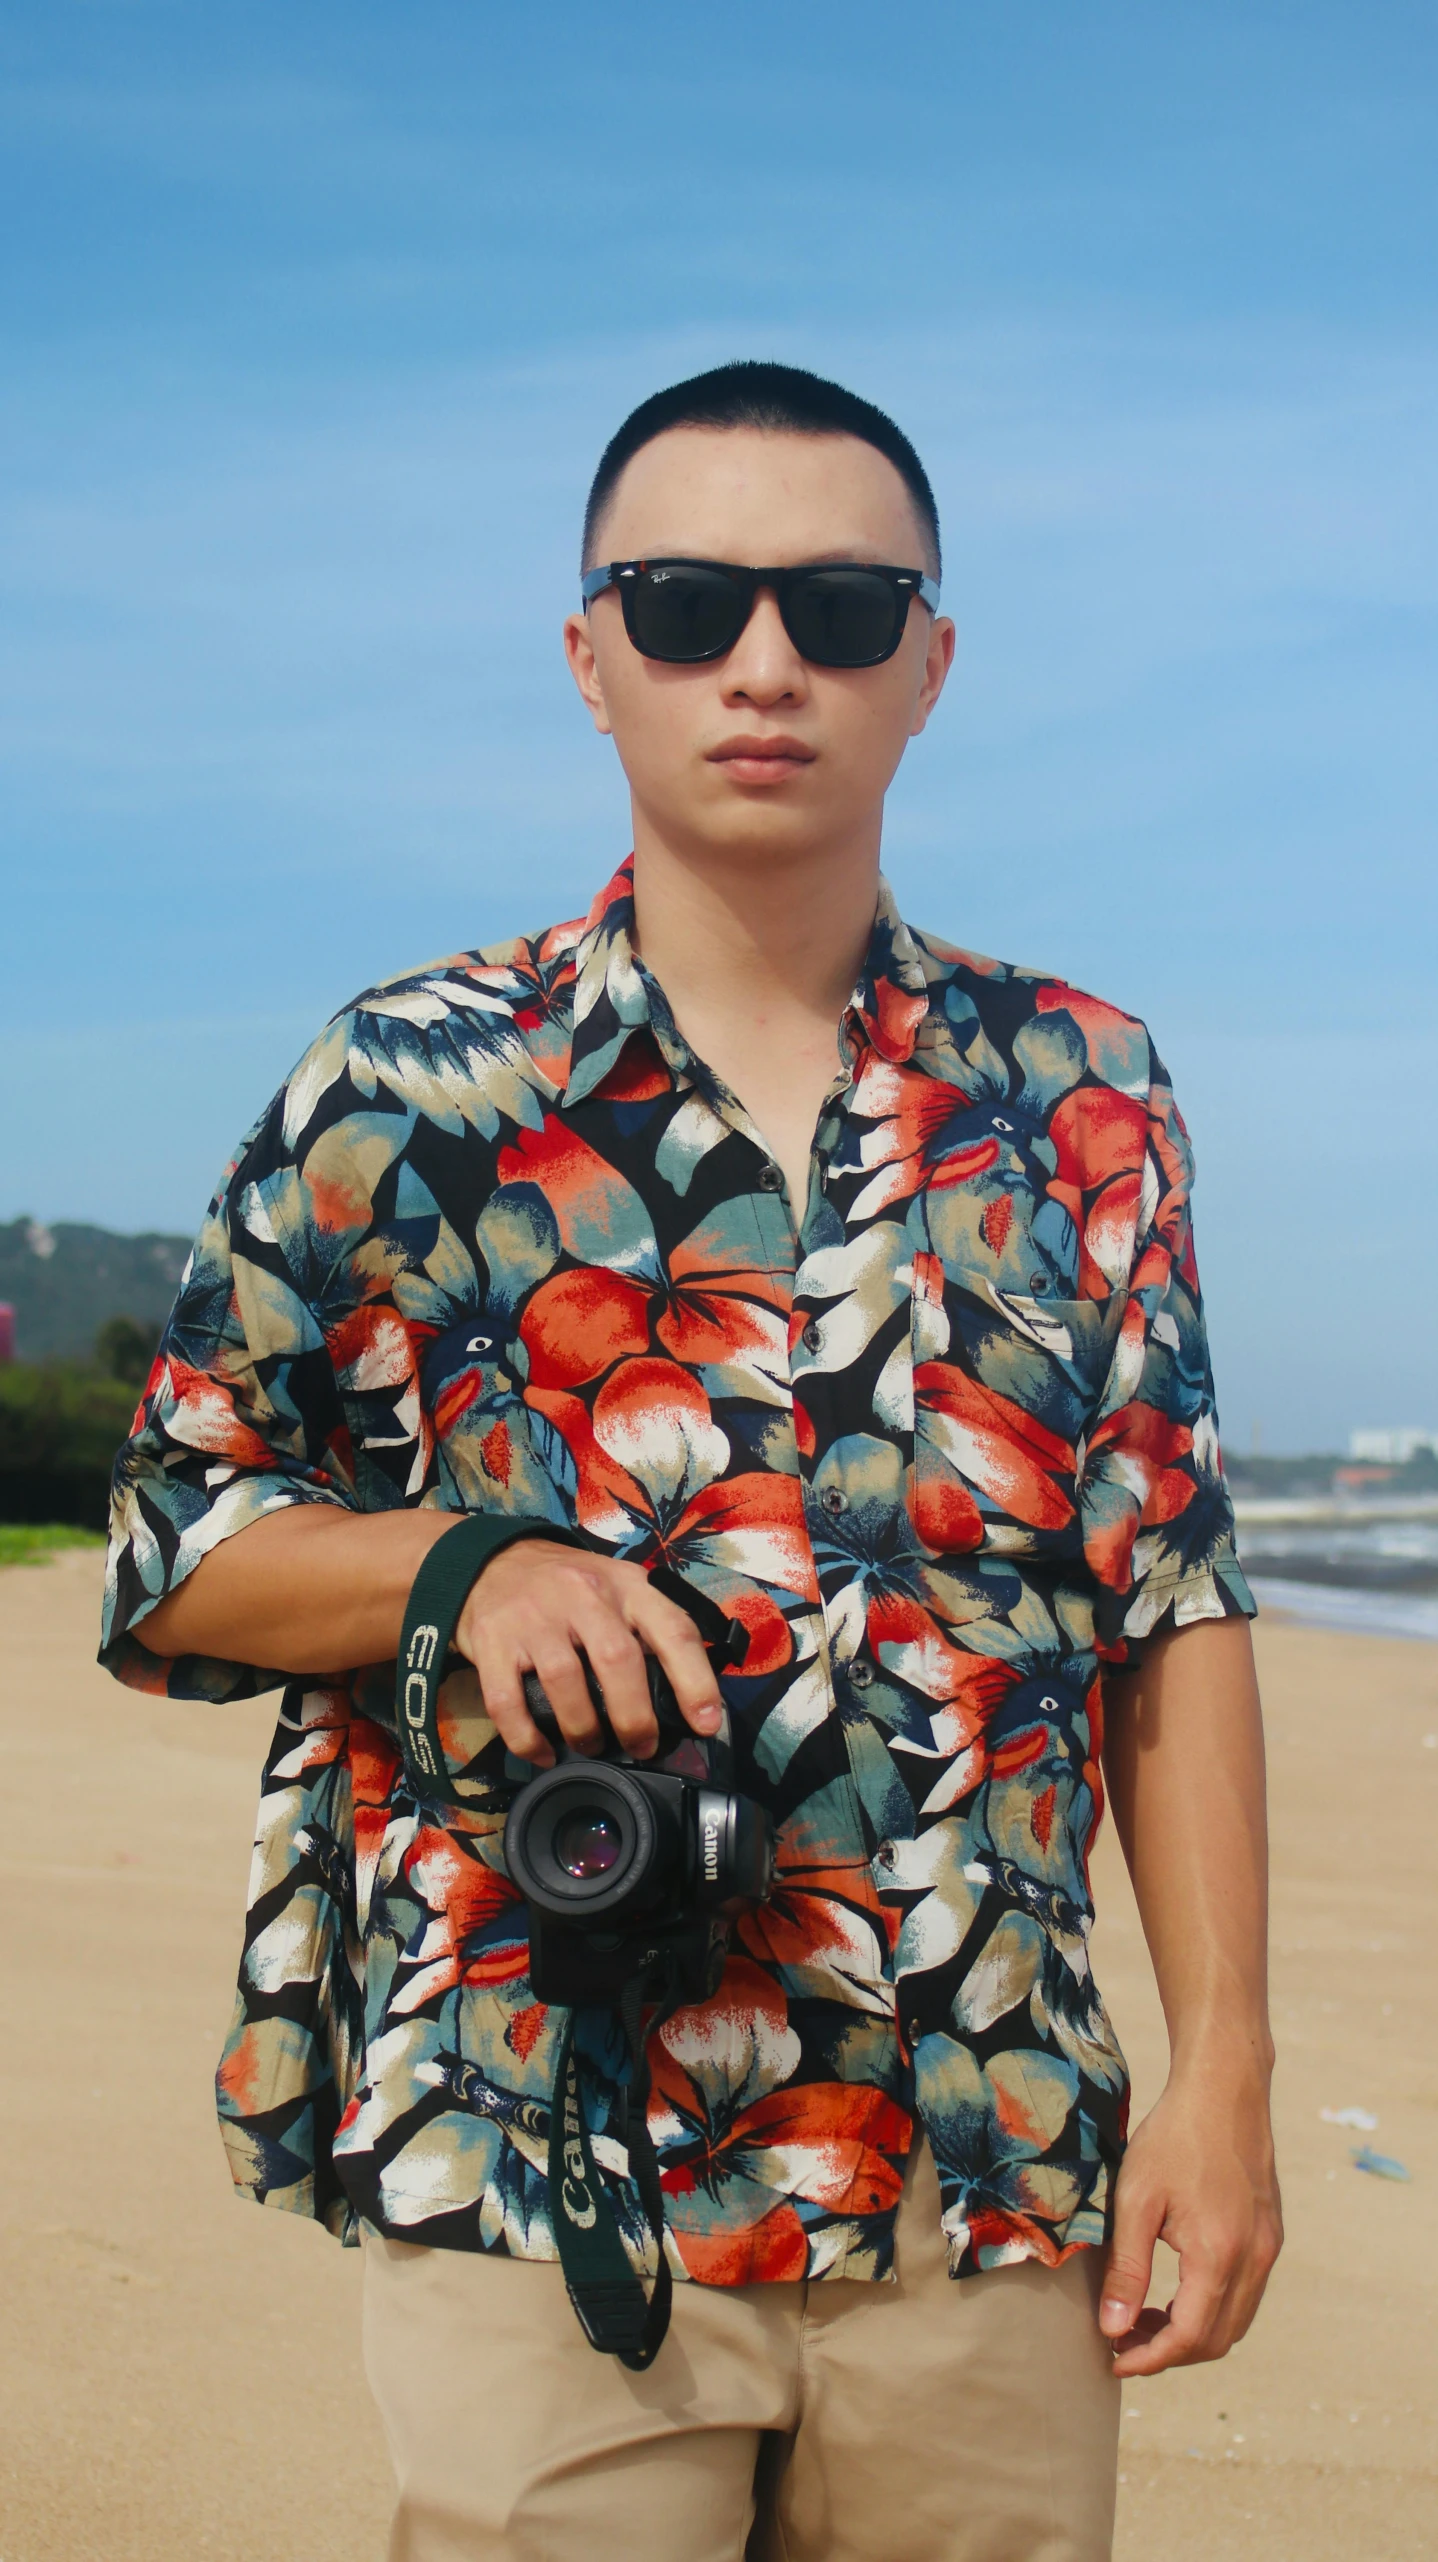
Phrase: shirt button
(1038, 1283)
(861, 1674)
(833, 1502)
(812, 1336)
(770, 1178)
(884, 1855)
(916, 2030)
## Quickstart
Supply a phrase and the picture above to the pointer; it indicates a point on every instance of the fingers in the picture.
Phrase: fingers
(670, 1633)
(1138, 2219)
(552, 1611)
(616, 1659)
(1181, 2335)
(502, 1687)
(1219, 2290)
(1198, 2176)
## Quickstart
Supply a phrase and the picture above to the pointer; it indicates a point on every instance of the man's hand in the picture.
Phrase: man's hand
(1199, 2175)
(314, 1588)
(539, 1606)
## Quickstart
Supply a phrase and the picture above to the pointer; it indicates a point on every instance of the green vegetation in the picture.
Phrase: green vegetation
(61, 1423)
(29, 1543)
(89, 1305)
(125, 1350)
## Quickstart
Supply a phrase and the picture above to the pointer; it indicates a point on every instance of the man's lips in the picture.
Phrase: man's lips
(761, 760)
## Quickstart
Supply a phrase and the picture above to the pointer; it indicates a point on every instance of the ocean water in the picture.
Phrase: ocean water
(1336, 1605)
(1374, 1570)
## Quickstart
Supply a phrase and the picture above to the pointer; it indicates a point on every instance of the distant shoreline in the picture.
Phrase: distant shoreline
(1334, 1511)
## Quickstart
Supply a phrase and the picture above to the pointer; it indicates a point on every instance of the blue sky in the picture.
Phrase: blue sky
(315, 321)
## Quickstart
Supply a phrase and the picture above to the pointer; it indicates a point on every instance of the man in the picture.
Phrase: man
(739, 1229)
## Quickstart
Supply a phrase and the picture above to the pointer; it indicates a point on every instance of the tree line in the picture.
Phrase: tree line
(61, 1423)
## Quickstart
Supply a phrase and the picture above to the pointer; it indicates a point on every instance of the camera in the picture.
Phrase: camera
(634, 1869)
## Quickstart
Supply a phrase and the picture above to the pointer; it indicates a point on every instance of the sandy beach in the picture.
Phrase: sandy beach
(180, 2375)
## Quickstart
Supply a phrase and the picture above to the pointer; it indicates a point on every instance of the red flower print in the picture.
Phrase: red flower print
(649, 1457)
(820, 1925)
(1131, 1483)
(1100, 1138)
(1117, 1044)
(997, 1445)
(737, 2141)
(912, 1113)
(200, 1411)
(894, 1016)
(715, 1308)
(966, 1689)
(600, 1216)
(463, 1894)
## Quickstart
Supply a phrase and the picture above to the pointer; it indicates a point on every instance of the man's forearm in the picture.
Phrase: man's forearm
(309, 1589)
(1184, 1763)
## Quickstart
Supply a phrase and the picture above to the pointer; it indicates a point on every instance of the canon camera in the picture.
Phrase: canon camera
(634, 1868)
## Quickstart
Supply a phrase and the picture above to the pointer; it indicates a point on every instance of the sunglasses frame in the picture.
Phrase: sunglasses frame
(624, 575)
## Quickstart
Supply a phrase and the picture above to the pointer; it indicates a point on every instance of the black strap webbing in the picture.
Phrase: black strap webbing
(606, 2292)
(437, 1596)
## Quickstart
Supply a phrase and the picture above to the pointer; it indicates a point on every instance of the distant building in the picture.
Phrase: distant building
(7, 1331)
(1393, 1446)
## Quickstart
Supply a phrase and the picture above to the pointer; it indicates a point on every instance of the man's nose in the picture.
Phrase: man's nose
(764, 666)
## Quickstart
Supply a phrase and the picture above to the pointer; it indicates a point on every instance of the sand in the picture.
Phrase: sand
(180, 2375)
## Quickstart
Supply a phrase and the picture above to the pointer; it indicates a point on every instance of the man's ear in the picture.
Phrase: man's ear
(938, 659)
(579, 650)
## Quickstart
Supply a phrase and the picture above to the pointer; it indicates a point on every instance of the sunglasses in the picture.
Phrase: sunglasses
(837, 614)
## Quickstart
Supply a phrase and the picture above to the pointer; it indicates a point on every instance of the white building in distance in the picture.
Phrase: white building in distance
(1393, 1446)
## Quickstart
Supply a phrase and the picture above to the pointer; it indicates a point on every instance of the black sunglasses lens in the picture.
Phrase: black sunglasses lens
(845, 617)
(684, 611)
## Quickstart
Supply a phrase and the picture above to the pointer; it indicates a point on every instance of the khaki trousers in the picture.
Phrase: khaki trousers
(925, 2421)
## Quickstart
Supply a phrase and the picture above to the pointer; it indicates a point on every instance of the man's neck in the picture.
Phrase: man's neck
(758, 964)
(761, 942)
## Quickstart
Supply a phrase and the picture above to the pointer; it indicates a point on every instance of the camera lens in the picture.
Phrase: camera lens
(586, 1843)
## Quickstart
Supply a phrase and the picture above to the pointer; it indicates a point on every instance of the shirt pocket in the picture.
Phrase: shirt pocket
(1005, 1386)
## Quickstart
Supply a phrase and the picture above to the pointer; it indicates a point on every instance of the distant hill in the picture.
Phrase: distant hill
(65, 1282)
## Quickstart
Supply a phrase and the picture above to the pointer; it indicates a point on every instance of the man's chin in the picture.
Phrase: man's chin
(760, 834)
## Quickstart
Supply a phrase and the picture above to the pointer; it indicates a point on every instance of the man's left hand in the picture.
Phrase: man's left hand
(1199, 2175)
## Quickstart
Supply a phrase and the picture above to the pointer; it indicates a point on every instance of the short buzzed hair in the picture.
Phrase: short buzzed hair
(781, 399)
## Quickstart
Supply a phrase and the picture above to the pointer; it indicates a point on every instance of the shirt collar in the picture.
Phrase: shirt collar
(614, 995)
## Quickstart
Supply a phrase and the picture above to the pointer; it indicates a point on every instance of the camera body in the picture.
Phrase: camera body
(634, 1869)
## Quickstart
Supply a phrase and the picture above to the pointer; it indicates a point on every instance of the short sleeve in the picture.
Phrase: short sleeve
(241, 1415)
(1158, 1521)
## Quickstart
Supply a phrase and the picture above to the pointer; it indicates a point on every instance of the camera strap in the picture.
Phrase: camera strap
(607, 2292)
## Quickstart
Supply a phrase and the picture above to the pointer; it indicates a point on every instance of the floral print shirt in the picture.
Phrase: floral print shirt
(942, 1437)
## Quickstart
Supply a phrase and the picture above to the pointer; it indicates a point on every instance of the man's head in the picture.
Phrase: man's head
(759, 752)
(777, 400)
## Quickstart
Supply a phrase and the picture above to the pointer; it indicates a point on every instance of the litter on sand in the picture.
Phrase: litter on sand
(1382, 2165)
(1361, 2118)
